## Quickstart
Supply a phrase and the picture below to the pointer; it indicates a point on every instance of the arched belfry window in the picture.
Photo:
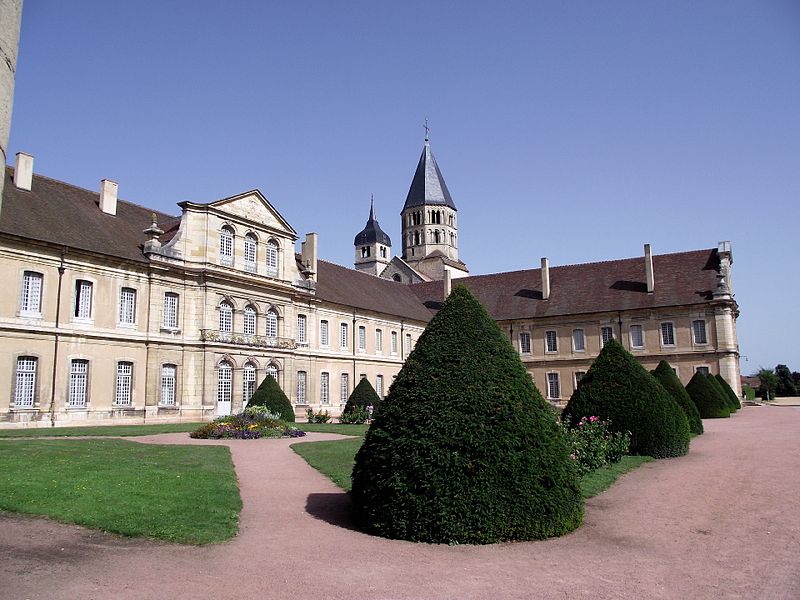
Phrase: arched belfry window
(436, 236)
(364, 251)
(416, 238)
(272, 258)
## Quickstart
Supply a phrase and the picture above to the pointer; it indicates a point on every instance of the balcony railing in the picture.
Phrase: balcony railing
(213, 335)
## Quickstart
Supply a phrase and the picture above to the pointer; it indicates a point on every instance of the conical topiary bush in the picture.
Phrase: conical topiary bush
(709, 403)
(362, 396)
(464, 449)
(270, 394)
(729, 391)
(666, 376)
(618, 388)
(721, 391)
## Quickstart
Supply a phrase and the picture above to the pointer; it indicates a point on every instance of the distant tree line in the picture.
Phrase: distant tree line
(778, 382)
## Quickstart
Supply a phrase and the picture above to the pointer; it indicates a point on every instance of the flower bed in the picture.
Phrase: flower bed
(593, 445)
(254, 423)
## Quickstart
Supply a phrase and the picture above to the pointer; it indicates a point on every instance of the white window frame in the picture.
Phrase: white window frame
(524, 342)
(575, 380)
(78, 383)
(324, 333)
(707, 369)
(30, 302)
(169, 377)
(170, 316)
(394, 343)
(302, 382)
(640, 328)
(124, 384)
(127, 306)
(250, 322)
(225, 317)
(325, 388)
(248, 382)
(302, 321)
(378, 341)
(344, 387)
(224, 382)
(551, 348)
(553, 376)
(603, 330)
(273, 249)
(226, 236)
(704, 342)
(671, 326)
(343, 336)
(25, 381)
(250, 253)
(379, 385)
(273, 371)
(271, 329)
(84, 300)
(362, 338)
(582, 336)
(407, 348)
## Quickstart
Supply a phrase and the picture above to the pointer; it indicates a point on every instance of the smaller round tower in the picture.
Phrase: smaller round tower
(373, 247)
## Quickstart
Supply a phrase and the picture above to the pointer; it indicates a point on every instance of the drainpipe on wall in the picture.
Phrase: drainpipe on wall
(55, 340)
(619, 322)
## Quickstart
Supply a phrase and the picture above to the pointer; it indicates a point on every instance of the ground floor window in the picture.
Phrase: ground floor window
(25, 386)
(553, 386)
(379, 385)
(248, 382)
(78, 382)
(124, 383)
(224, 382)
(703, 370)
(344, 388)
(168, 373)
(324, 388)
(301, 387)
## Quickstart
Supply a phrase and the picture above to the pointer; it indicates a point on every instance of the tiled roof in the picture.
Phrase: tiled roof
(428, 186)
(63, 214)
(352, 288)
(680, 279)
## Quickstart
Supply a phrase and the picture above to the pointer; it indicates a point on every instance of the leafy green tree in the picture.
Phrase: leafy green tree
(270, 394)
(734, 398)
(785, 386)
(710, 404)
(669, 380)
(464, 449)
(769, 381)
(618, 388)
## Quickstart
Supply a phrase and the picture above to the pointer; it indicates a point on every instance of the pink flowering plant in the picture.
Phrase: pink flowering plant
(594, 445)
(253, 423)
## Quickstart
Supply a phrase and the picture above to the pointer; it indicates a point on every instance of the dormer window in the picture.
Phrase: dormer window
(364, 251)
(226, 246)
(272, 258)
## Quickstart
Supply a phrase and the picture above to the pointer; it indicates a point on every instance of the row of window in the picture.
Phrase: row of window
(667, 330)
(435, 236)
(251, 251)
(78, 394)
(434, 216)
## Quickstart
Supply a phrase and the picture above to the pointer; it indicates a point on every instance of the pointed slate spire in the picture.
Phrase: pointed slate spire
(428, 186)
(372, 232)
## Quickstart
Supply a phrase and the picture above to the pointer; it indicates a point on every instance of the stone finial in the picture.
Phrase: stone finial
(153, 245)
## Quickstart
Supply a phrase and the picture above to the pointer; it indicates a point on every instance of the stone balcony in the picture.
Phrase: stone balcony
(239, 339)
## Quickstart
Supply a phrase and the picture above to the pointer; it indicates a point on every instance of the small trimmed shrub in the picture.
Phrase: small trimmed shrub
(669, 380)
(716, 385)
(356, 416)
(318, 417)
(593, 445)
(709, 403)
(619, 389)
(270, 395)
(464, 449)
(356, 410)
(729, 391)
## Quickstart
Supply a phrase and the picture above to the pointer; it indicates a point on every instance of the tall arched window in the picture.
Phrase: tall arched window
(249, 320)
(272, 371)
(225, 317)
(250, 246)
(416, 238)
(226, 246)
(272, 324)
(248, 382)
(436, 236)
(272, 258)
(224, 381)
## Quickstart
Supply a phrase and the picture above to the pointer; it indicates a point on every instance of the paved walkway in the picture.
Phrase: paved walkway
(718, 523)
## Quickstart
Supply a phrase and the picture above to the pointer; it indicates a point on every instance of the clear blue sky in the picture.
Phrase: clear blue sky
(573, 130)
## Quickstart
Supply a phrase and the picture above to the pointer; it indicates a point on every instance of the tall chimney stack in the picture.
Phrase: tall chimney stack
(23, 171)
(648, 269)
(108, 196)
(308, 255)
(545, 278)
(448, 286)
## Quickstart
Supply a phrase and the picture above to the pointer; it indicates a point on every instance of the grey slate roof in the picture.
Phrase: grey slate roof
(67, 215)
(428, 186)
(372, 232)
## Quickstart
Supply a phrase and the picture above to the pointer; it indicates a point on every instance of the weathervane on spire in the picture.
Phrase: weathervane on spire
(427, 129)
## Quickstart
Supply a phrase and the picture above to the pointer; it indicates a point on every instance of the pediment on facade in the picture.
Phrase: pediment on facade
(253, 206)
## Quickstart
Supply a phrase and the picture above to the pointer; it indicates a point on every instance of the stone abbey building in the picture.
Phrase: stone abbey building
(111, 311)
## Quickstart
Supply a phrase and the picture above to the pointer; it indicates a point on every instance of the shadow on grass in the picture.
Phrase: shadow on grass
(335, 509)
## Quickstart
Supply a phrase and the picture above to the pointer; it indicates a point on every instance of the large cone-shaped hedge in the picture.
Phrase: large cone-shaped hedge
(666, 377)
(729, 391)
(270, 394)
(362, 396)
(709, 403)
(464, 449)
(619, 388)
(721, 391)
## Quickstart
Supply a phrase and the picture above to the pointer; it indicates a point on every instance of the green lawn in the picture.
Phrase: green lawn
(99, 430)
(184, 494)
(335, 460)
(343, 429)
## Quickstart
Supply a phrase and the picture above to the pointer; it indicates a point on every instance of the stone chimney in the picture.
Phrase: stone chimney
(308, 256)
(108, 196)
(545, 279)
(23, 171)
(648, 269)
(448, 286)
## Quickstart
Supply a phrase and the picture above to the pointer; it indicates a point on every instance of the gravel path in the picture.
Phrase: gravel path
(718, 523)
